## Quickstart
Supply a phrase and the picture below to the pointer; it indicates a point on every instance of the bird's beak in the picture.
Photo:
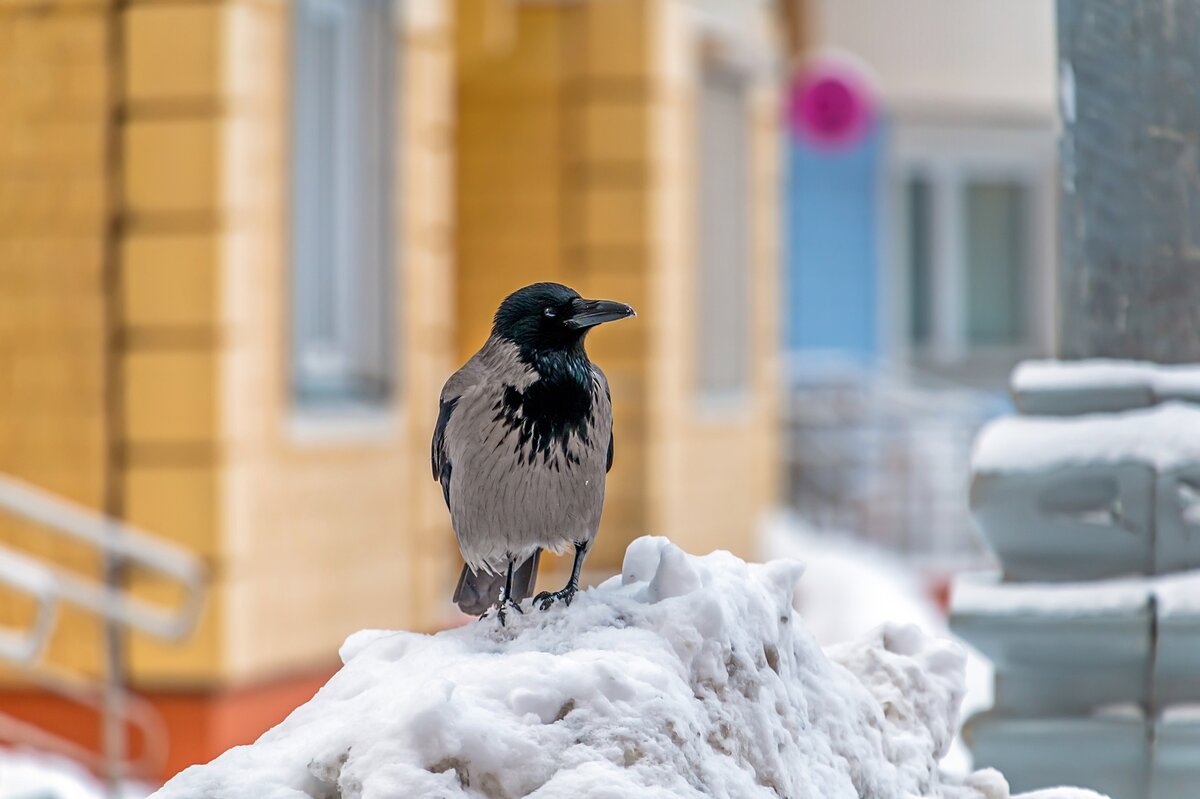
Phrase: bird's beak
(589, 313)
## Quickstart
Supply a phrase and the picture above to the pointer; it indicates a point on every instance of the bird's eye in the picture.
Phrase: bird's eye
(549, 313)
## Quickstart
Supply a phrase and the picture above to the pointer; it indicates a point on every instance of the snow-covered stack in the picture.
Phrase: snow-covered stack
(1091, 500)
(682, 677)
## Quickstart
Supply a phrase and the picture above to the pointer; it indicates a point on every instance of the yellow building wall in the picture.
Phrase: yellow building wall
(551, 168)
(144, 277)
(560, 151)
(175, 214)
(144, 285)
(314, 527)
(574, 164)
(714, 468)
(56, 101)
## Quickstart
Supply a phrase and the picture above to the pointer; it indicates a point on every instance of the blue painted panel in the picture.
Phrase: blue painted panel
(832, 223)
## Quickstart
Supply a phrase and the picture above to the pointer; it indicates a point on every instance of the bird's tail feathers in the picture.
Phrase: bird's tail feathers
(477, 591)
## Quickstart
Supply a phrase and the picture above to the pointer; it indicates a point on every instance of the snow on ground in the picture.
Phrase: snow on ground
(683, 677)
(850, 587)
(28, 774)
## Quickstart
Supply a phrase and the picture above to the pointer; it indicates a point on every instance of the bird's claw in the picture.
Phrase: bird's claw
(547, 598)
(502, 606)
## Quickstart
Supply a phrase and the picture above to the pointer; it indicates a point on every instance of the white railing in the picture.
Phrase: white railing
(52, 585)
(27, 576)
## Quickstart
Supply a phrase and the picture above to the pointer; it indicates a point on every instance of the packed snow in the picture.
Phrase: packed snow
(851, 587)
(986, 593)
(1164, 436)
(1177, 594)
(1163, 382)
(684, 676)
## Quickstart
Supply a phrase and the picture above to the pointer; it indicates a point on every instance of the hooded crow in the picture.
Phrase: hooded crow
(522, 445)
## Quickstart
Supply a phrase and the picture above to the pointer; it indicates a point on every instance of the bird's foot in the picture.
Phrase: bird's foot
(547, 598)
(501, 609)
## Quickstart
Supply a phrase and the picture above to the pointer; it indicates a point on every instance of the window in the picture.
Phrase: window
(969, 264)
(975, 270)
(723, 232)
(997, 262)
(342, 237)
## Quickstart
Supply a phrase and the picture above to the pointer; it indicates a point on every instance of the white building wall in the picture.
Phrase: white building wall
(949, 57)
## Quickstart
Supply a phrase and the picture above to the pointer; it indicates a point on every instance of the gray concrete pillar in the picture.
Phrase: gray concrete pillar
(1130, 179)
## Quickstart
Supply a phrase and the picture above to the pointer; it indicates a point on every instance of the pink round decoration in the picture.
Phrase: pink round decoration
(830, 106)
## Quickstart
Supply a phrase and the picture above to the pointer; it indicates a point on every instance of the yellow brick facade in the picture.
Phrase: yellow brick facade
(717, 466)
(315, 528)
(56, 133)
(144, 277)
(144, 298)
(575, 163)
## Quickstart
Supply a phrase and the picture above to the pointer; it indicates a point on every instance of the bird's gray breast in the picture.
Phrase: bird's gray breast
(529, 466)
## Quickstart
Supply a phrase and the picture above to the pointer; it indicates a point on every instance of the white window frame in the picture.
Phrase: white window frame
(950, 157)
(723, 301)
(343, 238)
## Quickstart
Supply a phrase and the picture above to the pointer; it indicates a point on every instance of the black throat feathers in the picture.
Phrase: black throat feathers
(550, 409)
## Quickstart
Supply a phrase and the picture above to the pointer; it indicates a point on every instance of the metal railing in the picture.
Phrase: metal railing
(883, 459)
(52, 585)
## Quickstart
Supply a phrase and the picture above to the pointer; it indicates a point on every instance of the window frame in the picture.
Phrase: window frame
(950, 157)
(714, 397)
(343, 206)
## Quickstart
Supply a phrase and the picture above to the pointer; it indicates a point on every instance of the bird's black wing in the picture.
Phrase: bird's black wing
(439, 457)
(608, 394)
(459, 383)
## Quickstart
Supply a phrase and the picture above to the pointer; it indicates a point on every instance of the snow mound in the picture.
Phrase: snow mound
(683, 677)
(850, 587)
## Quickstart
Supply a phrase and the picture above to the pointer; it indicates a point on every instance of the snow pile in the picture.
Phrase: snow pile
(683, 677)
(850, 587)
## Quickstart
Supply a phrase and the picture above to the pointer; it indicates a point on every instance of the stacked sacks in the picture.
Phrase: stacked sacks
(1087, 497)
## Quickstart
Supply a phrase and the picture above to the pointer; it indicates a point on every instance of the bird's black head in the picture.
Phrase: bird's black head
(551, 316)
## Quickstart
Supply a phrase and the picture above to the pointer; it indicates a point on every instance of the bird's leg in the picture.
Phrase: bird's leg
(547, 598)
(506, 600)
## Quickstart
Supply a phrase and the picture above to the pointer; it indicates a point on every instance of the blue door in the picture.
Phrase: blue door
(833, 229)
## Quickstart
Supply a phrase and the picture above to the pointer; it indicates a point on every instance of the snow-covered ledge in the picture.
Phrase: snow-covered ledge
(683, 677)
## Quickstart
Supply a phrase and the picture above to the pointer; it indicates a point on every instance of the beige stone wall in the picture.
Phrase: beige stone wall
(56, 101)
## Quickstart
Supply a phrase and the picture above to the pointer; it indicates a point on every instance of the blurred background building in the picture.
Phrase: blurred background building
(243, 242)
(920, 256)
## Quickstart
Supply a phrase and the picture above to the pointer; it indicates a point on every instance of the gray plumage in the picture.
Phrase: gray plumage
(508, 498)
(523, 444)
